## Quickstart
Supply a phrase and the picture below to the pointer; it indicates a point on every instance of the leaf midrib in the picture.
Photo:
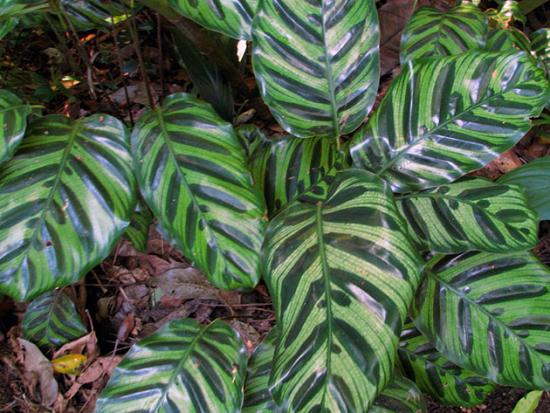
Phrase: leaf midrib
(329, 75)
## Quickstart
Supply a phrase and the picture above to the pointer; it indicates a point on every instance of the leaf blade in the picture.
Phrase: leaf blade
(13, 117)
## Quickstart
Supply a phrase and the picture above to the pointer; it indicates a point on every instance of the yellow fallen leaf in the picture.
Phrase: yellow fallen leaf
(69, 364)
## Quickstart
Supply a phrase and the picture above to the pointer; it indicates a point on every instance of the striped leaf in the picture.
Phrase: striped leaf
(540, 44)
(95, 14)
(51, 320)
(138, 231)
(285, 167)
(342, 273)
(435, 33)
(435, 375)
(475, 214)
(317, 63)
(230, 17)
(13, 119)
(490, 313)
(499, 40)
(399, 396)
(184, 367)
(443, 118)
(65, 199)
(192, 170)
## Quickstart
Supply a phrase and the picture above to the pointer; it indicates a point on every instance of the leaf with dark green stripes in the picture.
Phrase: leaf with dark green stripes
(192, 170)
(317, 63)
(435, 375)
(13, 118)
(540, 44)
(65, 199)
(51, 320)
(284, 167)
(475, 214)
(499, 40)
(442, 118)
(435, 33)
(400, 396)
(138, 231)
(95, 14)
(534, 179)
(184, 367)
(490, 313)
(342, 274)
(230, 17)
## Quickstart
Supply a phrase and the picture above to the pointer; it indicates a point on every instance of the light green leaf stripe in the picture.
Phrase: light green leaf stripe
(499, 40)
(475, 214)
(342, 273)
(400, 396)
(230, 17)
(317, 63)
(51, 320)
(490, 313)
(192, 171)
(435, 375)
(434, 33)
(13, 123)
(443, 118)
(65, 199)
(184, 367)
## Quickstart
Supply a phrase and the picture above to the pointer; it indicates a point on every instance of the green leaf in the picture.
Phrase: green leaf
(192, 170)
(13, 122)
(540, 44)
(443, 118)
(285, 167)
(435, 33)
(138, 231)
(475, 214)
(342, 273)
(230, 17)
(14, 8)
(317, 63)
(490, 313)
(7, 25)
(435, 375)
(529, 403)
(95, 14)
(51, 320)
(500, 40)
(399, 396)
(65, 199)
(534, 179)
(184, 367)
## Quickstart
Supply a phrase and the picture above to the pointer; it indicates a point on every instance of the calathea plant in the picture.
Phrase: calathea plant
(390, 271)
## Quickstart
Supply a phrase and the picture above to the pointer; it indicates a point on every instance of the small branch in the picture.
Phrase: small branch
(161, 55)
(135, 40)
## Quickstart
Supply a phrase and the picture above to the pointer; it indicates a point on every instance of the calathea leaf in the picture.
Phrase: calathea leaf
(13, 118)
(400, 396)
(193, 174)
(475, 214)
(65, 199)
(51, 320)
(230, 17)
(510, 38)
(342, 273)
(138, 231)
(435, 375)
(540, 44)
(432, 32)
(95, 14)
(317, 63)
(184, 367)
(443, 118)
(489, 313)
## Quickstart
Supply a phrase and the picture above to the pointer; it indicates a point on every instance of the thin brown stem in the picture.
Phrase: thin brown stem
(135, 40)
(161, 55)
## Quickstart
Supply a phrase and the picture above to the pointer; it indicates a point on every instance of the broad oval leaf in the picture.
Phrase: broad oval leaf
(475, 214)
(534, 179)
(13, 123)
(435, 375)
(230, 17)
(435, 33)
(342, 273)
(400, 396)
(490, 313)
(138, 230)
(192, 170)
(443, 118)
(183, 367)
(51, 320)
(317, 63)
(65, 199)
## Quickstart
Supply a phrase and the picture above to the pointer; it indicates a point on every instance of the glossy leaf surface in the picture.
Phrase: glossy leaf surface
(317, 63)
(192, 171)
(230, 17)
(534, 179)
(435, 375)
(51, 320)
(342, 273)
(435, 33)
(184, 367)
(444, 118)
(13, 118)
(499, 40)
(138, 231)
(490, 313)
(475, 214)
(65, 199)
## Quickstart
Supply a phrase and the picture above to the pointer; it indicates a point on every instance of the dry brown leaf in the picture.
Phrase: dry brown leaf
(84, 345)
(185, 284)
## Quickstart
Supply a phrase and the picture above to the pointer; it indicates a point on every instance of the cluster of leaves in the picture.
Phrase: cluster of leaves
(352, 236)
